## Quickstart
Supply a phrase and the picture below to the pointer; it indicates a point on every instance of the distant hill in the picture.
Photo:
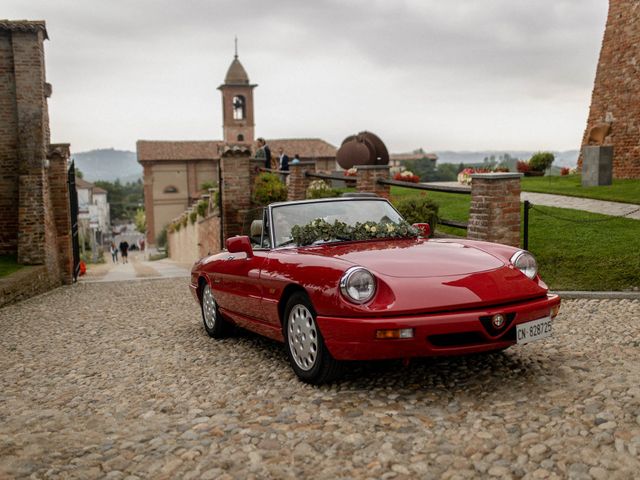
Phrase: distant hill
(568, 158)
(108, 164)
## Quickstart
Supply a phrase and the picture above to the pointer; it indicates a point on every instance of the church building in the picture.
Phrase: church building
(174, 171)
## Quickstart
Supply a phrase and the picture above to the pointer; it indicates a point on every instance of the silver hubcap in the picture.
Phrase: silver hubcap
(209, 308)
(303, 337)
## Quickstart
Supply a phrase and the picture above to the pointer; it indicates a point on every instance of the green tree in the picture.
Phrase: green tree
(141, 220)
(125, 199)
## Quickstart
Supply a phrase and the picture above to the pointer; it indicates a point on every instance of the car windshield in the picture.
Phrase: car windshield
(348, 211)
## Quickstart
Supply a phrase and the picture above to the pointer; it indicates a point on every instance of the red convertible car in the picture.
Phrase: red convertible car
(348, 279)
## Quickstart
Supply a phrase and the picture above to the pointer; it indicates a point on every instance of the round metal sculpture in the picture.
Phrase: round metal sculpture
(365, 148)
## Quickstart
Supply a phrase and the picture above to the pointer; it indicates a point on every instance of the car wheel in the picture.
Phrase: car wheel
(309, 357)
(214, 324)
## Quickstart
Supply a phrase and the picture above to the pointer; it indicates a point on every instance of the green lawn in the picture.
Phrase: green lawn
(575, 251)
(626, 191)
(8, 265)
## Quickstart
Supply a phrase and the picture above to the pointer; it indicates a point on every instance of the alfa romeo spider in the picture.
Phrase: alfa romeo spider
(349, 279)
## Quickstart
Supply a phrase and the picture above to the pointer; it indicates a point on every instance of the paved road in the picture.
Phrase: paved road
(587, 204)
(136, 268)
(118, 380)
(575, 203)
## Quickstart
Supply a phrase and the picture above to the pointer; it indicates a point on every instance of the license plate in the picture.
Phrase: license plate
(532, 331)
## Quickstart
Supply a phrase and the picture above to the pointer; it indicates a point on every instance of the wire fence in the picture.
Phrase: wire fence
(528, 206)
(609, 218)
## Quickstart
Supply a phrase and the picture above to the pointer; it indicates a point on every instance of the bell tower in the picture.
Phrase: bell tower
(237, 103)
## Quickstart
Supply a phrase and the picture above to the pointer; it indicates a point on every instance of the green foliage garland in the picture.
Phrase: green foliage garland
(320, 229)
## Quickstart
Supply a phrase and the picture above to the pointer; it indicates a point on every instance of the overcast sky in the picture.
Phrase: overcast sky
(455, 74)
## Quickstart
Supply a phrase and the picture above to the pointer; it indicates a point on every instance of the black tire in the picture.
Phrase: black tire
(214, 324)
(308, 355)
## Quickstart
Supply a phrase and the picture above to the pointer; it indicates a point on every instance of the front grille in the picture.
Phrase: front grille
(465, 339)
(486, 323)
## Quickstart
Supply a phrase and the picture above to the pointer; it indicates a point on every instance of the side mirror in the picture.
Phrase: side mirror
(423, 228)
(240, 243)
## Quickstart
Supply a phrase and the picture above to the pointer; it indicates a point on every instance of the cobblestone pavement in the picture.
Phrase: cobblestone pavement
(574, 203)
(118, 380)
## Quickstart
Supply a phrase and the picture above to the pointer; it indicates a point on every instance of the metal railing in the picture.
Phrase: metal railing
(433, 188)
(328, 176)
(422, 186)
(273, 170)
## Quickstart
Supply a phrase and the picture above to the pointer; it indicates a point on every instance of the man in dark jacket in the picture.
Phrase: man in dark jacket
(124, 250)
(262, 145)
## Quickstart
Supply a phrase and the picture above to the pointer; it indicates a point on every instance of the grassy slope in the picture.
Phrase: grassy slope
(626, 191)
(573, 251)
(8, 265)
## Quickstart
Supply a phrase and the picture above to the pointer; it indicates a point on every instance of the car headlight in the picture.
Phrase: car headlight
(358, 285)
(526, 263)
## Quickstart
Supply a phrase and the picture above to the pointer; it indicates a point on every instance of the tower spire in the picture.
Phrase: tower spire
(236, 47)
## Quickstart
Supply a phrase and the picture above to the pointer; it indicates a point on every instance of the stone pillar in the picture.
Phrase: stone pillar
(59, 195)
(367, 179)
(298, 181)
(494, 215)
(597, 166)
(235, 187)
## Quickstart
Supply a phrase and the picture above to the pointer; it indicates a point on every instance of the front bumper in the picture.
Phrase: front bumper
(454, 333)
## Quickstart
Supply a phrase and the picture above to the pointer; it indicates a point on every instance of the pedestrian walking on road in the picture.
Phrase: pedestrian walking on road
(114, 252)
(124, 250)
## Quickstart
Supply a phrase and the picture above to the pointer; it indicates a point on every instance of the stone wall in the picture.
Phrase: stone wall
(195, 241)
(616, 91)
(25, 283)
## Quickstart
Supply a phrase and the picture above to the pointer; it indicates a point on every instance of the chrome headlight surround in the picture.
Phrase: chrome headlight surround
(358, 285)
(526, 263)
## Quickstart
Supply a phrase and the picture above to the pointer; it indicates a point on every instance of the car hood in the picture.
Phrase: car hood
(411, 258)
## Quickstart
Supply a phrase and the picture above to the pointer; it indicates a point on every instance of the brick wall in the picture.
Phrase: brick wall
(494, 215)
(8, 150)
(58, 197)
(236, 187)
(298, 181)
(367, 179)
(616, 91)
(34, 199)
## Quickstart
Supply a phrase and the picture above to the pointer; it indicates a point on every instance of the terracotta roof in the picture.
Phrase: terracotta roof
(24, 26)
(82, 183)
(236, 75)
(412, 156)
(99, 190)
(151, 150)
(305, 147)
